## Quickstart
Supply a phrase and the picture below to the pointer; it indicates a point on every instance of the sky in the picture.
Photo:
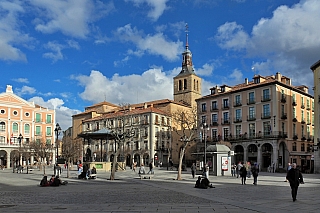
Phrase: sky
(70, 54)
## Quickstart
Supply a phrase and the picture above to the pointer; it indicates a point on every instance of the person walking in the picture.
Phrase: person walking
(255, 172)
(193, 169)
(294, 177)
(243, 174)
(233, 170)
(150, 168)
(239, 166)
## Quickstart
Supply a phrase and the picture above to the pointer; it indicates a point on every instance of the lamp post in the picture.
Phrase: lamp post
(204, 127)
(20, 139)
(57, 130)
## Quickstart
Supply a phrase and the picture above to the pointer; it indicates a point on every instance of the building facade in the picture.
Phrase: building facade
(316, 147)
(153, 138)
(267, 120)
(20, 123)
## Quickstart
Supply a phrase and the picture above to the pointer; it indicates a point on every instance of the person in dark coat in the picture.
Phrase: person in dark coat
(243, 175)
(255, 171)
(294, 177)
(193, 170)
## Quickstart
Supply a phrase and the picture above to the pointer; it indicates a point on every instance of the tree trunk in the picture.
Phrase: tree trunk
(68, 165)
(113, 170)
(180, 163)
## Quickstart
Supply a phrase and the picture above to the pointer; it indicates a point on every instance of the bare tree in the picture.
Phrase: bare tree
(121, 133)
(184, 124)
(70, 151)
(42, 151)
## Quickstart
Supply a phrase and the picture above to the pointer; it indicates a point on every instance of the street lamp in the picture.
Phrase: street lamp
(57, 130)
(20, 139)
(204, 127)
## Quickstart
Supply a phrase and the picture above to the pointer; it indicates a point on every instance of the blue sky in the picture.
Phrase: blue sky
(69, 54)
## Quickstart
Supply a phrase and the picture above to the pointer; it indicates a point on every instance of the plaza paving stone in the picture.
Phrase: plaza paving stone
(21, 193)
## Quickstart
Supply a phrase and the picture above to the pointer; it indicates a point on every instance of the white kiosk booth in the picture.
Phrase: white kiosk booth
(221, 161)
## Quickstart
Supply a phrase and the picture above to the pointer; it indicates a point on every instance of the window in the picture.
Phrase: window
(145, 144)
(302, 115)
(238, 114)
(48, 119)
(2, 139)
(302, 131)
(266, 111)
(180, 85)
(204, 119)
(15, 128)
(251, 97)
(48, 131)
(302, 147)
(27, 114)
(214, 105)
(38, 117)
(252, 130)
(48, 141)
(2, 126)
(203, 107)
(294, 97)
(225, 133)
(2, 111)
(266, 128)
(294, 112)
(214, 134)
(308, 103)
(266, 94)
(157, 119)
(294, 129)
(215, 118)
(15, 112)
(252, 113)
(238, 100)
(226, 117)
(238, 130)
(225, 103)
(282, 109)
(38, 130)
(294, 146)
(27, 129)
(185, 84)
(302, 101)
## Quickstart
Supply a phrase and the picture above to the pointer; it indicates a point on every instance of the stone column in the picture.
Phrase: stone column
(8, 159)
(259, 158)
(245, 154)
(275, 155)
(151, 139)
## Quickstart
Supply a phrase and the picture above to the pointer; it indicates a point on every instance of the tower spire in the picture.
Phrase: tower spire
(187, 30)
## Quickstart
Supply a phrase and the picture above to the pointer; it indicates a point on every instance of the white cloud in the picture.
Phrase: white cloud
(25, 90)
(21, 80)
(57, 48)
(10, 33)
(288, 42)
(158, 7)
(206, 70)
(71, 17)
(156, 44)
(131, 88)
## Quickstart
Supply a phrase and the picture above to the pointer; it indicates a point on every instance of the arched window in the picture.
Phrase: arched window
(15, 127)
(180, 85)
(26, 129)
(185, 86)
(194, 84)
(197, 85)
(2, 126)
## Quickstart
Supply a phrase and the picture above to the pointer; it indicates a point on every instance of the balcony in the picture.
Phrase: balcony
(302, 106)
(303, 138)
(294, 120)
(284, 116)
(308, 107)
(38, 121)
(303, 121)
(48, 121)
(204, 110)
(294, 103)
(225, 122)
(283, 99)
(237, 120)
(251, 118)
(214, 123)
(251, 101)
(225, 106)
(295, 137)
(265, 98)
(237, 103)
(255, 136)
(214, 108)
(265, 116)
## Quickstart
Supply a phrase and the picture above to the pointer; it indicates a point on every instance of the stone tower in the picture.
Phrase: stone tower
(187, 85)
